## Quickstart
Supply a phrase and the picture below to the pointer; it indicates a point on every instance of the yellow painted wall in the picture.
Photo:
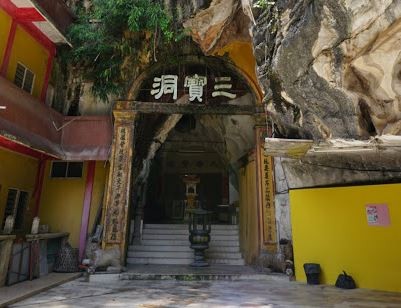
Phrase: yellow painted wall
(17, 171)
(30, 53)
(242, 55)
(330, 228)
(5, 25)
(62, 202)
(248, 214)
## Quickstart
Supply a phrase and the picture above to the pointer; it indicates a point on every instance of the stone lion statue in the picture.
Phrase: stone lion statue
(103, 258)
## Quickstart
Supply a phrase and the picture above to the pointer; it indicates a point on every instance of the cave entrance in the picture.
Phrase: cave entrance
(190, 161)
(196, 167)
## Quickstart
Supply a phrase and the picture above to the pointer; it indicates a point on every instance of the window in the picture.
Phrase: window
(17, 202)
(63, 169)
(24, 78)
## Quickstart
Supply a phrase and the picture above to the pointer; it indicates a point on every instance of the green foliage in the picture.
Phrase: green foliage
(101, 43)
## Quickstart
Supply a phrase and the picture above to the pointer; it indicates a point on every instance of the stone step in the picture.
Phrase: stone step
(185, 226)
(169, 244)
(182, 254)
(213, 243)
(213, 248)
(182, 261)
(161, 254)
(216, 237)
(212, 255)
(158, 248)
(224, 249)
(155, 242)
(186, 232)
(227, 261)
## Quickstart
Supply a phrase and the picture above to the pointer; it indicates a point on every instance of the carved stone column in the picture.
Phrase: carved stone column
(119, 184)
(265, 182)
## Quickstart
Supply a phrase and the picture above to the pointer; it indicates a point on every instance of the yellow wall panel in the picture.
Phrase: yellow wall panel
(62, 202)
(242, 55)
(17, 171)
(248, 215)
(330, 228)
(30, 53)
(5, 25)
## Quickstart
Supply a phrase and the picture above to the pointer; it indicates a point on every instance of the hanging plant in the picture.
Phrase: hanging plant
(101, 44)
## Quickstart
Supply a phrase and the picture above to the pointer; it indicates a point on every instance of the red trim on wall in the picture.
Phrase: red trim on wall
(21, 149)
(38, 186)
(38, 36)
(9, 46)
(24, 18)
(47, 75)
(9, 7)
(90, 179)
(28, 14)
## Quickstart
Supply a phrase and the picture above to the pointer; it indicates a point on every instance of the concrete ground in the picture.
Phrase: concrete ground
(272, 292)
(28, 288)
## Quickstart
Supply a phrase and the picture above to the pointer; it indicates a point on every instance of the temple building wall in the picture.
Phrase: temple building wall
(35, 60)
(19, 172)
(5, 24)
(63, 199)
(330, 227)
(21, 44)
(248, 213)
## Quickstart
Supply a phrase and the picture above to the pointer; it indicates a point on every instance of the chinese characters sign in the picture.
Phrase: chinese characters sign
(203, 83)
(269, 213)
(377, 215)
(115, 218)
(195, 84)
(168, 84)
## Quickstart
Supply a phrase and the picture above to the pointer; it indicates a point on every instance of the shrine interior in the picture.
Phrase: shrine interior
(196, 166)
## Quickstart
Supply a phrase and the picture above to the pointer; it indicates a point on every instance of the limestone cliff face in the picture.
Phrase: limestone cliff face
(219, 24)
(331, 68)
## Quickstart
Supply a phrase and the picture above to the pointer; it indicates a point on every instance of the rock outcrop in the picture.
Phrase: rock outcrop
(331, 68)
(221, 23)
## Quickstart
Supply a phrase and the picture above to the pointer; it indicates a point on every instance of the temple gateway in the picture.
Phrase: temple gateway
(269, 129)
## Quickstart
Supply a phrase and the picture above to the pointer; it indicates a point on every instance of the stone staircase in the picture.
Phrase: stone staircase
(169, 244)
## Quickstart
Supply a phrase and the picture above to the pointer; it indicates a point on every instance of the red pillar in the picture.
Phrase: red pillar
(90, 178)
(52, 53)
(38, 186)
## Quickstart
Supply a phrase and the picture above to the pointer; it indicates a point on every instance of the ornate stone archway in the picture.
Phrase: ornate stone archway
(117, 199)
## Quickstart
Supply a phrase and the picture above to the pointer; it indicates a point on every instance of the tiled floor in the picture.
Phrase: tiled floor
(275, 292)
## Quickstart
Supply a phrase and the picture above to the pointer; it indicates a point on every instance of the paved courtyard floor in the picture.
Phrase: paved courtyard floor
(274, 292)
